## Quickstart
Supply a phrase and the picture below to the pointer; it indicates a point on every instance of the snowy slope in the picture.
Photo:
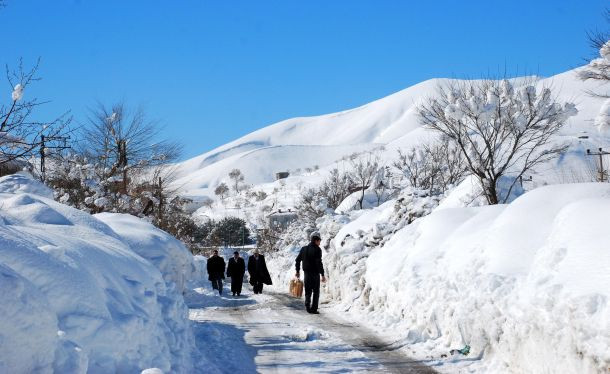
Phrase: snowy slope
(390, 121)
(80, 293)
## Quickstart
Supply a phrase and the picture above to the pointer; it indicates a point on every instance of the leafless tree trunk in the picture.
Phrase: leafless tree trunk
(364, 169)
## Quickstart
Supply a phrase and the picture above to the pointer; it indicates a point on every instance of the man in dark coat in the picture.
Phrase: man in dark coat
(311, 257)
(259, 275)
(216, 271)
(236, 270)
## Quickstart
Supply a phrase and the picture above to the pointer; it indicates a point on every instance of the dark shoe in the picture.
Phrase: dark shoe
(307, 309)
(314, 312)
(238, 294)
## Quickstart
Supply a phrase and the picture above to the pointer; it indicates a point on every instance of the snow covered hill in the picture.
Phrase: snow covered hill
(82, 293)
(301, 143)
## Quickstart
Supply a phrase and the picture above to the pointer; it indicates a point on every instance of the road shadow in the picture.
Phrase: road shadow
(197, 300)
(225, 346)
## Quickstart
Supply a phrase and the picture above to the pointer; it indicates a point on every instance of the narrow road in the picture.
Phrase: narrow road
(271, 333)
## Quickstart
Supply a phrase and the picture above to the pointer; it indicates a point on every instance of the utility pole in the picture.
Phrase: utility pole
(601, 173)
(521, 180)
(43, 148)
(122, 163)
(160, 195)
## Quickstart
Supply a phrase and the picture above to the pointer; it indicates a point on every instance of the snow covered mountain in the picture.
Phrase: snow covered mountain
(305, 142)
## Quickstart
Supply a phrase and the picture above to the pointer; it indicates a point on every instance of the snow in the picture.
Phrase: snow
(165, 252)
(17, 92)
(383, 126)
(602, 121)
(525, 284)
(20, 183)
(76, 296)
(271, 333)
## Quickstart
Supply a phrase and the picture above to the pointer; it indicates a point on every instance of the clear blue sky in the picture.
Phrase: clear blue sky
(212, 71)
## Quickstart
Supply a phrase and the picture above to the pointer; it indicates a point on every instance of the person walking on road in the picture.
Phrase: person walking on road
(236, 270)
(216, 271)
(311, 257)
(259, 275)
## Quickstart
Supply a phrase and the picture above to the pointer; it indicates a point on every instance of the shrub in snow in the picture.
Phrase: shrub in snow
(80, 184)
(435, 167)
(76, 295)
(229, 231)
(364, 169)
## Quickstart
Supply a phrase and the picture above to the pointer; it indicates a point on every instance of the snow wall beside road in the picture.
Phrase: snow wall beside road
(525, 285)
(82, 293)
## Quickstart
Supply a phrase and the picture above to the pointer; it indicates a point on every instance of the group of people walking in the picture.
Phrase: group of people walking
(257, 269)
(310, 257)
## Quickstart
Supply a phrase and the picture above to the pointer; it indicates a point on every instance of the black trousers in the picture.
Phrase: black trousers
(236, 283)
(217, 284)
(312, 286)
(258, 286)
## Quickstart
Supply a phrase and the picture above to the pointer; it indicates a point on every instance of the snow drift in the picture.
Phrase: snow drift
(525, 285)
(80, 293)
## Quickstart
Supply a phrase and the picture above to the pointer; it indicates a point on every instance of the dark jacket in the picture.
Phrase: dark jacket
(236, 268)
(260, 273)
(216, 267)
(311, 256)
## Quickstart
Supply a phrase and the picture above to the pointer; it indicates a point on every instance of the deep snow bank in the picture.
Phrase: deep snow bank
(77, 296)
(525, 285)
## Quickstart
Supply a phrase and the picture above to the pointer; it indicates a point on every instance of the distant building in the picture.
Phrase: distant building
(281, 219)
(281, 175)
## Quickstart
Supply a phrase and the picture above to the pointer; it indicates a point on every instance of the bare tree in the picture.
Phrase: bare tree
(414, 166)
(311, 206)
(362, 174)
(336, 187)
(237, 178)
(21, 135)
(258, 195)
(123, 141)
(221, 190)
(497, 128)
(381, 184)
(434, 166)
